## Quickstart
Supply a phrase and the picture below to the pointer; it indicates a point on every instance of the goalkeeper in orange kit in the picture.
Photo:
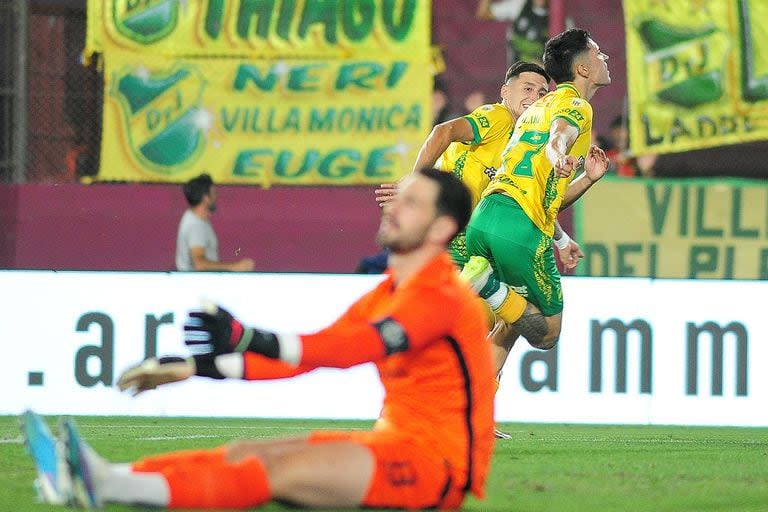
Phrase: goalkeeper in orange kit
(423, 328)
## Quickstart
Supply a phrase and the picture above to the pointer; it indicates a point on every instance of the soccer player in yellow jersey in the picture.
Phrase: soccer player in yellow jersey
(548, 164)
(470, 146)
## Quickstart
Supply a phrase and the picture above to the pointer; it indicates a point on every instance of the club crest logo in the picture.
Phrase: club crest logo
(165, 125)
(685, 65)
(145, 21)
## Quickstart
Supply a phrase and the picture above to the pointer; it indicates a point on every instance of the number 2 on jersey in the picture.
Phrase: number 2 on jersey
(536, 139)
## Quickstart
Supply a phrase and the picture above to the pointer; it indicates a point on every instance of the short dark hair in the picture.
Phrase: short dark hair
(196, 188)
(453, 198)
(522, 66)
(560, 52)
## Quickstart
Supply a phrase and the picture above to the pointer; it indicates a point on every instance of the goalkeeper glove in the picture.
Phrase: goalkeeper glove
(154, 372)
(215, 331)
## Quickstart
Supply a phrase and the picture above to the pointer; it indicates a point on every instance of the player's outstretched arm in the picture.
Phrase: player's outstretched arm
(220, 343)
(420, 315)
(214, 331)
(352, 339)
(438, 140)
(441, 136)
(154, 372)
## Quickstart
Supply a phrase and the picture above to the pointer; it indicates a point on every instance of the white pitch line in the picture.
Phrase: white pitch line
(17, 440)
(651, 440)
(210, 427)
(174, 438)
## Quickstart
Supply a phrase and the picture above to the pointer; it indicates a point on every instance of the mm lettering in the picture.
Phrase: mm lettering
(620, 331)
(716, 333)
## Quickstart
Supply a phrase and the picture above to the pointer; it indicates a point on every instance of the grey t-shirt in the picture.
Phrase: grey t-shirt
(194, 232)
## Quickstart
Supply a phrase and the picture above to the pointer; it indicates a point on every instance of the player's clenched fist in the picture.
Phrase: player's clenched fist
(565, 166)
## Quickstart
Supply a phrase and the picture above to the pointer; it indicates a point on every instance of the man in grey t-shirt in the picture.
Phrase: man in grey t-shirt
(197, 247)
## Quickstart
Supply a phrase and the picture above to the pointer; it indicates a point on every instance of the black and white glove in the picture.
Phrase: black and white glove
(213, 330)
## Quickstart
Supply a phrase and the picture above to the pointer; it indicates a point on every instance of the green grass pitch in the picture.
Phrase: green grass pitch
(547, 468)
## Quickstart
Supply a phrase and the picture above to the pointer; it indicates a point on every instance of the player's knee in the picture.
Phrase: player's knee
(541, 332)
(545, 342)
(549, 340)
(532, 325)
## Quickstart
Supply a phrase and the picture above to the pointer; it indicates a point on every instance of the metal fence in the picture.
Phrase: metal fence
(12, 90)
(50, 104)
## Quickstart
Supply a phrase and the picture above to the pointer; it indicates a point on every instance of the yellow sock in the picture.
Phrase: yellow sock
(490, 316)
(512, 308)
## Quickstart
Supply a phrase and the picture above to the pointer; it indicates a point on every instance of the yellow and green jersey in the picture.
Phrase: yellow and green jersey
(526, 174)
(475, 162)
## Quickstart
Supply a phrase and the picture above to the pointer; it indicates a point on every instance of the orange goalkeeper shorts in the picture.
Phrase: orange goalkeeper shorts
(405, 475)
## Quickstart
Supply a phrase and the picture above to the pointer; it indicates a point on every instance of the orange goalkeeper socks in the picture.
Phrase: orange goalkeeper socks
(205, 479)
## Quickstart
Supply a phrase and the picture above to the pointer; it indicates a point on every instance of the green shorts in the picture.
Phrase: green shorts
(458, 250)
(520, 254)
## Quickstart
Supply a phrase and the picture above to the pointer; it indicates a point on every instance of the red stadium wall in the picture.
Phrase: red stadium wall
(133, 227)
(475, 51)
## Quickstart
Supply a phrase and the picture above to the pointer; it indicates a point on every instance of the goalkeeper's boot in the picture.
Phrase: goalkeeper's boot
(476, 272)
(84, 465)
(52, 484)
(498, 434)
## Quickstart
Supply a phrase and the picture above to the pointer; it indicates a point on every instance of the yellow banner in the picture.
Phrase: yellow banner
(260, 28)
(332, 122)
(683, 229)
(697, 73)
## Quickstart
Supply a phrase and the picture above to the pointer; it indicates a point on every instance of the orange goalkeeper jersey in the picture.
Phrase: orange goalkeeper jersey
(427, 337)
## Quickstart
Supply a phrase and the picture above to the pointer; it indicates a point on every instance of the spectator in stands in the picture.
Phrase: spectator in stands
(623, 163)
(528, 26)
(197, 247)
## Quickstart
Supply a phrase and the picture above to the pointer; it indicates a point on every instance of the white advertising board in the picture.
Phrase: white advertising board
(634, 351)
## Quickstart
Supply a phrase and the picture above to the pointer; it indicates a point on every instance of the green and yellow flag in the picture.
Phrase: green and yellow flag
(697, 73)
(307, 92)
(308, 122)
(260, 28)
